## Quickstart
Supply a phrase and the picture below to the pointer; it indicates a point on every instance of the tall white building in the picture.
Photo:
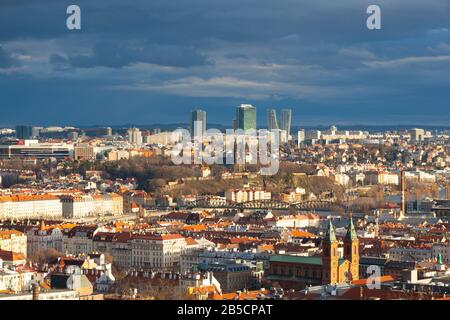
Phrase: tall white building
(300, 137)
(134, 136)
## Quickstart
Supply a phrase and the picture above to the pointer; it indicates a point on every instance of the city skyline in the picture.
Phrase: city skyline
(228, 156)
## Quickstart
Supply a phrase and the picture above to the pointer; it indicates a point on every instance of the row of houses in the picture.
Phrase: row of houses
(140, 250)
(47, 206)
(375, 177)
(247, 195)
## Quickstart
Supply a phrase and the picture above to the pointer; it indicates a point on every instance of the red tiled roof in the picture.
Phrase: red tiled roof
(362, 282)
(11, 256)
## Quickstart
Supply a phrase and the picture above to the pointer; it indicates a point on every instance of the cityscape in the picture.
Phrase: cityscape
(224, 158)
(103, 214)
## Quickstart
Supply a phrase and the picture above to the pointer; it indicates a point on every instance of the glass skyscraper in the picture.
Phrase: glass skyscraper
(272, 123)
(246, 117)
(198, 118)
(286, 120)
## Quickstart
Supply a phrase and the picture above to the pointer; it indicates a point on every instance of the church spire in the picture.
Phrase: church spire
(330, 235)
(351, 232)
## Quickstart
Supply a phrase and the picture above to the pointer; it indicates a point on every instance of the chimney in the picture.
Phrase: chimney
(35, 290)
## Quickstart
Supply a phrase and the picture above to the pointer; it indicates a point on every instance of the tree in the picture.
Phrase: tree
(45, 256)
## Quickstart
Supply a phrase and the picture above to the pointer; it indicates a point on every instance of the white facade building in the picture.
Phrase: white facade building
(81, 206)
(157, 251)
(42, 238)
(30, 207)
(247, 195)
(15, 241)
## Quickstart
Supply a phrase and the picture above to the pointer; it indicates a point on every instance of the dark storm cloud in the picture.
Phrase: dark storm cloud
(115, 55)
(190, 21)
(316, 54)
(6, 59)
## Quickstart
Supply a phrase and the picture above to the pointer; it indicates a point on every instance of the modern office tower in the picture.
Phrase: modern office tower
(198, 121)
(26, 132)
(272, 123)
(285, 121)
(134, 136)
(246, 117)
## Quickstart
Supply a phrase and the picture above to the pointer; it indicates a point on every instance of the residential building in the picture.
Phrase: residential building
(247, 195)
(134, 136)
(79, 240)
(13, 240)
(43, 238)
(21, 206)
(157, 251)
(84, 152)
(81, 206)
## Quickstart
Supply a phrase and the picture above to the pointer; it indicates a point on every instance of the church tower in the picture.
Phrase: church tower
(330, 257)
(351, 250)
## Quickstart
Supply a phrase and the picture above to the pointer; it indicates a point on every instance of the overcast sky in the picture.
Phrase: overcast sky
(152, 61)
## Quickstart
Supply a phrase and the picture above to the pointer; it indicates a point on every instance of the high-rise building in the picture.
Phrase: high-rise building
(300, 137)
(26, 132)
(246, 117)
(272, 123)
(134, 136)
(285, 121)
(198, 121)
